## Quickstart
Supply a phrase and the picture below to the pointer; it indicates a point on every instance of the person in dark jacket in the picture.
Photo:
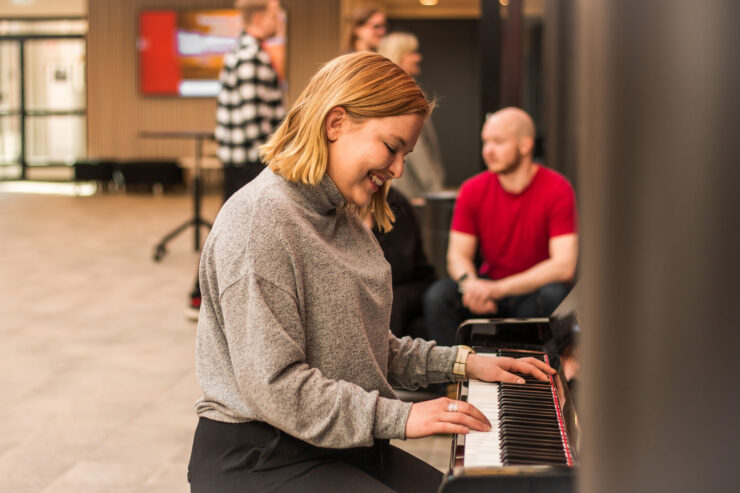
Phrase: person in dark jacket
(411, 271)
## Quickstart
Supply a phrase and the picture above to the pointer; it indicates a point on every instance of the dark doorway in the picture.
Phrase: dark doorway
(450, 72)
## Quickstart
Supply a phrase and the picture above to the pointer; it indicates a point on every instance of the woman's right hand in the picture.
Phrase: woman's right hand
(434, 417)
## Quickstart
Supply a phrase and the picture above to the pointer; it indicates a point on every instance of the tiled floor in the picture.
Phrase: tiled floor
(96, 357)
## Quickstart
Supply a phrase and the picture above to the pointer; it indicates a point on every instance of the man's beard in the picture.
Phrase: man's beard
(512, 166)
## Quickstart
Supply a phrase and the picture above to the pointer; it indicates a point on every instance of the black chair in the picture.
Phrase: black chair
(144, 174)
(436, 218)
(102, 172)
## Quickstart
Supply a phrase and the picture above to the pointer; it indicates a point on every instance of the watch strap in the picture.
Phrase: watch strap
(459, 369)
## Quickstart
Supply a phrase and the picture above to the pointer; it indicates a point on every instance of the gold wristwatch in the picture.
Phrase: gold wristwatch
(460, 369)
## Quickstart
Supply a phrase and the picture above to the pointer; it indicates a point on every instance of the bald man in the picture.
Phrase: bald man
(520, 218)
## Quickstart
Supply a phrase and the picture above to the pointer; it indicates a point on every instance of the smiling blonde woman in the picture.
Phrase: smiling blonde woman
(293, 352)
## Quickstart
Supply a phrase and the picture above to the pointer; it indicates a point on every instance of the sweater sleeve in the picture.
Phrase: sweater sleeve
(266, 345)
(414, 363)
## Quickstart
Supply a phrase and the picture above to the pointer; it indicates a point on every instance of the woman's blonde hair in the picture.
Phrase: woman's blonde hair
(396, 45)
(366, 85)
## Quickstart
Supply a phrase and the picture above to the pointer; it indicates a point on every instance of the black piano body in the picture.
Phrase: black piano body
(550, 340)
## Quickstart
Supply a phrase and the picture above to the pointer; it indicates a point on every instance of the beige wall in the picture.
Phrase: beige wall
(313, 39)
(44, 8)
(117, 113)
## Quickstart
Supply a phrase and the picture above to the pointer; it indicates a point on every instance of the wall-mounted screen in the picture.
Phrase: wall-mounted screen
(181, 51)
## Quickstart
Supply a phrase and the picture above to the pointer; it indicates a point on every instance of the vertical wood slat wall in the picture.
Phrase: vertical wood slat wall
(313, 39)
(117, 113)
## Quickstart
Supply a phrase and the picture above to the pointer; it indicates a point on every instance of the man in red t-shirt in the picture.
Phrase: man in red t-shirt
(521, 218)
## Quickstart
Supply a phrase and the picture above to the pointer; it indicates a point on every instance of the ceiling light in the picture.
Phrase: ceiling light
(428, 3)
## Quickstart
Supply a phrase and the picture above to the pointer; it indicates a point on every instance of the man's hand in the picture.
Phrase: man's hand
(435, 417)
(498, 369)
(480, 295)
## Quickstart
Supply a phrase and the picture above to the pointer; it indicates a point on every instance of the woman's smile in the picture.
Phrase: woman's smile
(365, 154)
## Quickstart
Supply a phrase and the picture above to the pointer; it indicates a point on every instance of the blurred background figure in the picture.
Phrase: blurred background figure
(403, 50)
(520, 219)
(275, 48)
(411, 272)
(367, 28)
(250, 104)
(424, 171)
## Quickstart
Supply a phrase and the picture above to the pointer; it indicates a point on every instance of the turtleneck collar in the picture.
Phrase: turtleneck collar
(323, 197)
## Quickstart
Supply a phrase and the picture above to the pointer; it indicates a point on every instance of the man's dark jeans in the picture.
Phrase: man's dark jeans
(444, 312)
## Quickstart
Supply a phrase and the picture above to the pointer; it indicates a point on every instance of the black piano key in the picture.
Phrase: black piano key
(514, 430)
(529, 429)
(533, 442)
(535, 429)
(533, 453)
(543, 414)
(528, 384)
(535, 447)
(529, 461)
(532, 384)
(524, 433)
(527, 392)
(518, 402)
(531, 420)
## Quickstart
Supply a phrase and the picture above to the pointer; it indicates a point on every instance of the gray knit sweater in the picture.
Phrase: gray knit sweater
(293, 326)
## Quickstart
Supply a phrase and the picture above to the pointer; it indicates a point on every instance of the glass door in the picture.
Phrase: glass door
(42, 94)
(10, 109)
(54, 88)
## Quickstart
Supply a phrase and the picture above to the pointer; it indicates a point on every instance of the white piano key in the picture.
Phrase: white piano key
(483, 449)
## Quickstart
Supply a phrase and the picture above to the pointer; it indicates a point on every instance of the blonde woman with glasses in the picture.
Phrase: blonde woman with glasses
(424, 172)
(293, 352)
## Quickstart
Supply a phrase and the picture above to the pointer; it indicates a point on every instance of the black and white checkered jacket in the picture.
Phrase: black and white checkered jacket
(250, 105)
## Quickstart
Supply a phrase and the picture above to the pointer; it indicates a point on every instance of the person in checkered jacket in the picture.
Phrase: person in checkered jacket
(250, 105)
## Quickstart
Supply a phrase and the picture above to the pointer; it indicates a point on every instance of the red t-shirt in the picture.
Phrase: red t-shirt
(514, 230)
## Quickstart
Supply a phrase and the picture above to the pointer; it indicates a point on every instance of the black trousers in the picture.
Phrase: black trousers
(254, 456)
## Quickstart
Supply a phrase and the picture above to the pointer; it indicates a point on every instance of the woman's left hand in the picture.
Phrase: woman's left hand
(498, 369)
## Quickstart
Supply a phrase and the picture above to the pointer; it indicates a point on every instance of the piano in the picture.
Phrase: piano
(534, 442)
